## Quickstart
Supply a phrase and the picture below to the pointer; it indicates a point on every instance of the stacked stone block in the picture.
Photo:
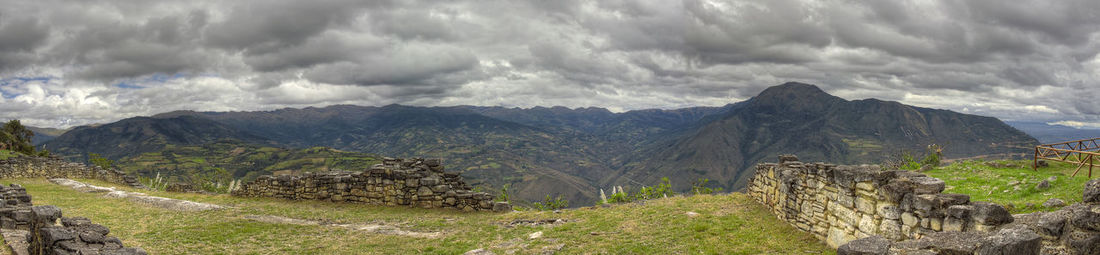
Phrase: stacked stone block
(1074, 229)
(53, 167)
(73, 236)
(413, 182)
(15, 207)
(841, 203)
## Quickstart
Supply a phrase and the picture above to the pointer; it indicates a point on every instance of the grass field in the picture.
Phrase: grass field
(725, 224)
(999, 184)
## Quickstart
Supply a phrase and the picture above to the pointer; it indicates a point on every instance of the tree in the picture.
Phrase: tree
(16, 137)
(100, 161)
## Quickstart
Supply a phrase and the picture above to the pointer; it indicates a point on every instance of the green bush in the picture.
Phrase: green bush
(503, 197)
(663, 189)
(700, 187)
(550, 204)
(100, 161)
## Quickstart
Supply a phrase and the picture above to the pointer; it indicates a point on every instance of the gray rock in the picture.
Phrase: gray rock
(927, 185)
(960, 211)
(1010, 241)
(925, 168)
(1051, 224)
(479, 252)
(46, 213)
(954, 242)
(1083, 243)
(1054, 202)
(502, 207)
(1043, 185)
(1087, 218)
(1092, 191)
(787, 157)
(874, 245)
(424, 191)
(990, 214)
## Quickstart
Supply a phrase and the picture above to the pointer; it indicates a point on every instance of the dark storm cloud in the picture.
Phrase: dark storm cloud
(1010, 59)
(19, 38)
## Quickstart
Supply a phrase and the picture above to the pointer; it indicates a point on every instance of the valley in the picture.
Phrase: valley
(553, 151)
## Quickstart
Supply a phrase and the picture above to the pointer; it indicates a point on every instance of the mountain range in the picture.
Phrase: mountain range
(1051, 133)
(576, 152)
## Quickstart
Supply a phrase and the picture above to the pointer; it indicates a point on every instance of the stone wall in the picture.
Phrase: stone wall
(54, 167)
(1074, 229)
(840, 203)
(396, 182)
(32, 229)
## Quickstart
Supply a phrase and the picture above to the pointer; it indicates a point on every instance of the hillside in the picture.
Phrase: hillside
(725, 224)
(576, 152)
(228, 160)
(42, 135)
(139, 135)
(800, 119)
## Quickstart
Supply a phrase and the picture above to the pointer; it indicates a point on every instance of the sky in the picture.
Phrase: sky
(67, 63)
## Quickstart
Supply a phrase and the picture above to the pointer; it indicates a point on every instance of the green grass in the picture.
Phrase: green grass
(5, 154)
(986, 183)
(726, 224)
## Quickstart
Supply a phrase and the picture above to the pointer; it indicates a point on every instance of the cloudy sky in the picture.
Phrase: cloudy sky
(65, 63)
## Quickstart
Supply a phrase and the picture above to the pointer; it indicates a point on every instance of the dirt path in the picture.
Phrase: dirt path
(162, 202)
(371, 228)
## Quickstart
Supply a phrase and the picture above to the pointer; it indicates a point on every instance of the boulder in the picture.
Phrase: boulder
(1010, 241)
(46, 214)
(987, 213)
(874, 245)
(1043, 185)
(787, 157)
(1054, 202)
(1092, 191)
(1051, 224)
(1087, 218)
(927, 185)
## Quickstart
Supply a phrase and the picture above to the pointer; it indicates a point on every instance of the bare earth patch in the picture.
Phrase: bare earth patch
(162, 202)
(371, 228)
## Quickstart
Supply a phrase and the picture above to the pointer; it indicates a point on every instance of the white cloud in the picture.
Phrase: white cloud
(1013, 60)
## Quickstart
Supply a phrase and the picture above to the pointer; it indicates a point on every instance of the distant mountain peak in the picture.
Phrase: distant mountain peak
(795, 96)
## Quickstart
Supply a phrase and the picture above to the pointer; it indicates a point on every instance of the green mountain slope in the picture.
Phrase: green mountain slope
(801, 119)
(138, 135)
(226, 160)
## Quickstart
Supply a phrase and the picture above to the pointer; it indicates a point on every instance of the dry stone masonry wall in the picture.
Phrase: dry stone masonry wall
(22, 222)
(841, 203)
(1074, 229)
(396, 182)
(53, 167)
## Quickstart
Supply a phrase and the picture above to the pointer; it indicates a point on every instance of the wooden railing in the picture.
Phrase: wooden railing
(1080, 152)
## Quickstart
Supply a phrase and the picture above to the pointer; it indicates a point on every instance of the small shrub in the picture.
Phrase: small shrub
(503, 197)
(934, 153)
(700, 187)
(156, 183)
(550, 204)
(102, 162)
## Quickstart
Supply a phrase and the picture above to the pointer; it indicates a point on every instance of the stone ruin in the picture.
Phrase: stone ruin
(841, 203)
(415, 182)
(1074, 229)
(35, 230)
(55, 167)
(864, 210)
